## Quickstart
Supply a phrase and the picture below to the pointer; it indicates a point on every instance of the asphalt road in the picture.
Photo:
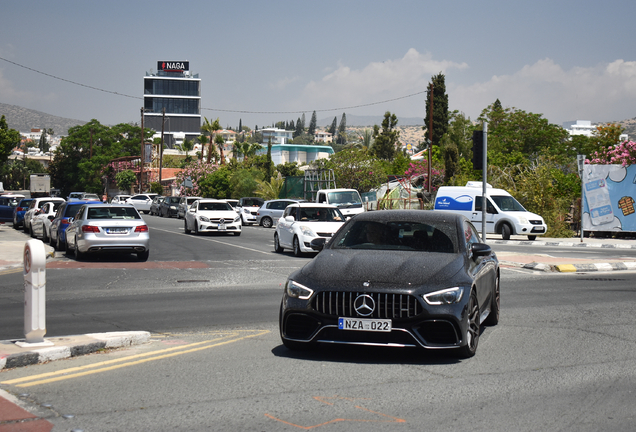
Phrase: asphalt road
(561, 358)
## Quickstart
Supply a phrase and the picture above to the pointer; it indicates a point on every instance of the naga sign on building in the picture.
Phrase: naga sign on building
(173, 66)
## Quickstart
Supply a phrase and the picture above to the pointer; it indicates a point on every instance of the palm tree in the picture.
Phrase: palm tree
(211, 129)
(187, 146)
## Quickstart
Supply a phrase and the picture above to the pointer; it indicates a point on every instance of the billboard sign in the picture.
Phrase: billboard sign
(610, 198)
(173, 66)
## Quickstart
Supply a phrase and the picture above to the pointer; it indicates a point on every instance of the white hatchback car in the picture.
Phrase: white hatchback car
(211, 215)
(303, 222)
(41, 221)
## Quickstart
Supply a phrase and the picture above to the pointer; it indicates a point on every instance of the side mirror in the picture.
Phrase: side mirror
(480, 249)
(290, 219)
(51, 217)
(70, 220)
(318, 244)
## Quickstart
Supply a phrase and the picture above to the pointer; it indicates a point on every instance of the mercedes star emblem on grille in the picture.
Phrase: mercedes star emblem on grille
(364, 305)
(222, 220)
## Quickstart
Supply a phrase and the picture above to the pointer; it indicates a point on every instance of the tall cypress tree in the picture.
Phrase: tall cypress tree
(312, 125)
(342, 130)
(440, 108)
(334, 125)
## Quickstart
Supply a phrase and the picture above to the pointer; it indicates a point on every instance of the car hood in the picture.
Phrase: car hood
(347, 267)
(320, 227)
(227, 214)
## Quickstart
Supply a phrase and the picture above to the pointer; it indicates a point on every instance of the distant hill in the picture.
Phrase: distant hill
(24, 119)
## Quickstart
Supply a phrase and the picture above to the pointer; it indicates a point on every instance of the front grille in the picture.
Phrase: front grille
(535, 222)
(393, 306)
(324, 234)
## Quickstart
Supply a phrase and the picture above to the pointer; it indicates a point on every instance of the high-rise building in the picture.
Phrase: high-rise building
(176, 89)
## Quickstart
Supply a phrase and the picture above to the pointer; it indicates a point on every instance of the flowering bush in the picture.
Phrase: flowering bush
(623, 153)
(196, 171)
(420, 169)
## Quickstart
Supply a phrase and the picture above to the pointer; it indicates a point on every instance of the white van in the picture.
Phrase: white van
(348, 201)
(504, 214)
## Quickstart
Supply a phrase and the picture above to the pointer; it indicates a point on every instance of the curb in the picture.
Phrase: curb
(571, 268)
(12, 356)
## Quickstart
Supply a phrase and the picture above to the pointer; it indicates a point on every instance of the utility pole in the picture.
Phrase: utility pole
(163, 122)
(430, 140)
(143, 145)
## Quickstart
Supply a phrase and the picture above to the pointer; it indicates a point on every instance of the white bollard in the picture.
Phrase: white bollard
(34, 291)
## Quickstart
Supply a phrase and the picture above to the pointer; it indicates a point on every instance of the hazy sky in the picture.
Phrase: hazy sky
(265, 61)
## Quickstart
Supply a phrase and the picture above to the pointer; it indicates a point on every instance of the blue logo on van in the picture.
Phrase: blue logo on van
(464, 202)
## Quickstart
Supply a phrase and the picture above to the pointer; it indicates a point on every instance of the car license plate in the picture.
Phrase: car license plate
(117, 230)
(221, 227)
(365, 324)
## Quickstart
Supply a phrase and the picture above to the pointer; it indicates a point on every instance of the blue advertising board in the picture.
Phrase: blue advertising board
(609, 198)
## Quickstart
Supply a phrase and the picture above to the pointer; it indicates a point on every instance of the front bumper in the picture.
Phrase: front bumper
(419, 325)
(214, 226)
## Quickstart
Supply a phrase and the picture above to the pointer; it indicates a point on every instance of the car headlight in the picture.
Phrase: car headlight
(296, 290)
(237, 218)
(204, 219)
(307, 231)
(246, 211)
(445, 296)
(523, 220)
(173, 208)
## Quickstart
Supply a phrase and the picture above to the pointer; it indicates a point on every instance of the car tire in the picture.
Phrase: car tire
(59, 245)
(505, 232)
(471, 336)
(185, 227)
(16, 225)
(78, 255)
(277, 247)
(532, 237)
(267, 222)
(45, 238)
(296, 246)
(196, 228)
(143, 256)
(31, 233)
(25, 228)
(495, 302)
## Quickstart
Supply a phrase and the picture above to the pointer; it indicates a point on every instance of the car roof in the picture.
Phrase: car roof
(410, 215)
(296, 200)
(212, 200)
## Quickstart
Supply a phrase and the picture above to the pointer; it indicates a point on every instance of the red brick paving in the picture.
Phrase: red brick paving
(15, 419)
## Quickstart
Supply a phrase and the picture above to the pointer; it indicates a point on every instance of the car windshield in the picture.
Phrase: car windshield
(251, 202)
(191, 200)
(413, 236)
(318, 214)
(113, 213)
(72, 209)
(507, 203)
(344, 198)
(172, 200)
(214, 206)
(90, 196)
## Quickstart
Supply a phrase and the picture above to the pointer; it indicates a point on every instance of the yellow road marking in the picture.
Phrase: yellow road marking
(230, 337)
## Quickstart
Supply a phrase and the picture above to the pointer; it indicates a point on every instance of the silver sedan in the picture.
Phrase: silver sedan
(108, 228)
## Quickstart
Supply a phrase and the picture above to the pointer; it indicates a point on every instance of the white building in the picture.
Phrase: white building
(278, 136)
(585, 127)
(301, 153)
(580, 127)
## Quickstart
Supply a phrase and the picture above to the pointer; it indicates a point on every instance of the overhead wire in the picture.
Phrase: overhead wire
(215, 109)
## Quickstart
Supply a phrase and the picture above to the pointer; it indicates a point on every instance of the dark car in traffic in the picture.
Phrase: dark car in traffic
(19, 211)
(169, 207)
(395, 278)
